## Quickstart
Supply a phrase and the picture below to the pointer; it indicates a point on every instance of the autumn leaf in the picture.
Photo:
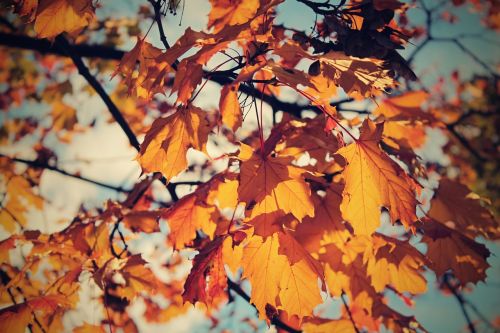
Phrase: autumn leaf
(395, 263)
(230, 107)
(327, 325)
(188, 76)
(145, 221)
(455, 205)
(326, 223)
(186, 217)
(208, 264)
(56, 16)
(373, 181)
(15, 319)
(450, 249)
(64, 116)
(280, 270)
(273, 186)
(166, 143)
(13, 212)
(406, 107)
(226, 12)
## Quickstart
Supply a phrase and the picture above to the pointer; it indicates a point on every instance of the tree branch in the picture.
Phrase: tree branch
(108, 53)
(275, 321)
(461, 302)
(84, 71)
(349, 312)
(40, 165)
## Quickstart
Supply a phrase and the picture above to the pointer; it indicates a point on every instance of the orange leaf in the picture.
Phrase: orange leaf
(281, 272)
(273, 185)
(229, 12)
(188, 215)
(207, 265)
(165, 146)
(56, 16)
(15, 319)
(230, 107)
(373, 181)
(455, 205)
(449, 249)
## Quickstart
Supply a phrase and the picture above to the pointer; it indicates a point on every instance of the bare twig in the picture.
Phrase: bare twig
(349, 313)
(461, 302)
(275, 321)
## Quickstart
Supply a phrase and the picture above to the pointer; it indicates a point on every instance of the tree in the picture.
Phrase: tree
(305, 183)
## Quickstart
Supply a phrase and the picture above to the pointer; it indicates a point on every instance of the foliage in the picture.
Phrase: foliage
(314, 200)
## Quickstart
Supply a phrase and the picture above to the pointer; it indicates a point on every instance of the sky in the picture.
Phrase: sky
(112, 160)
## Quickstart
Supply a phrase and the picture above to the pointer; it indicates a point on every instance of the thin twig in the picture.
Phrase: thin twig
(113, 109)
(349, 313)
(461, 302)
(275, 321)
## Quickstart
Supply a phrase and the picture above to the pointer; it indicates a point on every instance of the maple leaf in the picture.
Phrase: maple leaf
(373, 181)
(56, 16)
(165, 146)
(328, 325)
(230, 107)
(207, 264)
(15, 319)
(228, 12)
(64, 116)
(453, 203)
(19, 193)
(326, 223)
(450, 249)
(145, 79)
(356, 76)
(280, 272)
(88, 328)
(395, 263)
(188, 76)
(145, 221)
(405, 107)
(273, 186)
(187, 216)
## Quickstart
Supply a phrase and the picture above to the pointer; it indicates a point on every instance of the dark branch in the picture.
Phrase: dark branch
(460, 300)
(46, 47)
(40, 165)
(108, 53)
(349, 312)
(84, 71)
(275, 321)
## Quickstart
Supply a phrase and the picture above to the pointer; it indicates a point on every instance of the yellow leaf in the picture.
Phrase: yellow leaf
(63, 115)
(230, 107)
(229, 12)
(187, 216)
(299, 292)
(326, 326)
(262, 265)
(281, 272)
(88, 328)
(373, 181)
(165, 146)
(15, 320)
(326, 223)
(56, 16)
(273, 185)
(396, 263)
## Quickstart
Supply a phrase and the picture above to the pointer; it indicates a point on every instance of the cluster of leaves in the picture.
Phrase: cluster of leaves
(307, 211)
